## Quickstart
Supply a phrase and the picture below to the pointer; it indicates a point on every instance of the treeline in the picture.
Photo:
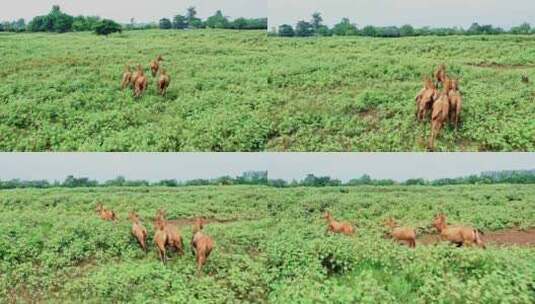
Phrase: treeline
(345, 27)
(261, 178)
(218, 20)
(60, 22)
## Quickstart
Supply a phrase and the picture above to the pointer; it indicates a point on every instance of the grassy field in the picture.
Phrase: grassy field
(357, 94)
(61, 92)
(240, 91)
(270, 246)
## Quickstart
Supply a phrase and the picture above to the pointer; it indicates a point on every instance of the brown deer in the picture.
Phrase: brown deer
(136, 74)
(441, 109)
(456, 102)
(201, 244)
(337, 227)
(160, 239)
(440, 74)
(163, 82)
(425, 99)
(405, 234)
(127, 77)
(105, 214)
(155, 65)
(140, 82)
(174, 238)
(460, 235)
(138, 230)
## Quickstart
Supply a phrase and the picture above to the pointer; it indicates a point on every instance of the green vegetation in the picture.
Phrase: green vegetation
(357, 93)
(62, 92)
(261, 178)
(60, 22)
(239, 91)
(270, 246)
(315, 27)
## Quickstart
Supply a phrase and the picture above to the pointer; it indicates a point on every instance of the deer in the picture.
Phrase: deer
(127, 77)
(138, 230)
(155, 65)
(201, 244)
(441, 109)
(337, 227)
(425, 99)
(455, 103)
(140, 82)
(160, 239)
(401, 233)
(163, 82)
(105, 214)
(459, 235)
(136, 74)
(440, 74)
(174, 238)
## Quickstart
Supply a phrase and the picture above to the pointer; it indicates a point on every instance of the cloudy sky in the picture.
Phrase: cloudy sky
(142, 11)
(436, 13)
(185, 166)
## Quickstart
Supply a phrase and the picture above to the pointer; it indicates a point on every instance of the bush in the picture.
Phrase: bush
(106, 27)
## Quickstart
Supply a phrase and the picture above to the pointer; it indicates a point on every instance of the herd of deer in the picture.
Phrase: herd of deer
(139, 82)
(443, 106)
(459, 235)
(167, 235)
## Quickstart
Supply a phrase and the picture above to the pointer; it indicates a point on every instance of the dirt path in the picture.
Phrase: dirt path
(181, 222)
(500, 238)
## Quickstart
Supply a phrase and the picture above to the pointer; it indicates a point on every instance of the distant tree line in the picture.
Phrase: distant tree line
(60, 22)
(315, 27)
(218, 20)
(261, 178)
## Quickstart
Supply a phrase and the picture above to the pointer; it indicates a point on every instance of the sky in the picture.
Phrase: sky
(435, 13)
(142, 11)
(288, 166)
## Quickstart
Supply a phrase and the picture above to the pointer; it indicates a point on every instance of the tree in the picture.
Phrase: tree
(474, 29)
(20, 25)
(82, 23)
(168, 183)
(240, 23)
(180, 22)
(254, 177)
(55, 21)
(286, 30)
(369, 30)
(106, 27)
(345, 28)
(191, 13)
(406, 30)
(193, 21)
(388, 31)
(316, 22)
(324, 30)
(303, 29)
(165, 24)
(61, 22)
(118, 181)
(523, 29)
(217, 21)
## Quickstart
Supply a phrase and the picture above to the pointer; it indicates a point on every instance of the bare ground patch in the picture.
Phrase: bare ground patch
(501, 238)
(181, 222)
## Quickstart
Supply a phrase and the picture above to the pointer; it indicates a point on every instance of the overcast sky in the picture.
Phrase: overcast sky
(435, 13)
(186, 166)
(142, 11)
